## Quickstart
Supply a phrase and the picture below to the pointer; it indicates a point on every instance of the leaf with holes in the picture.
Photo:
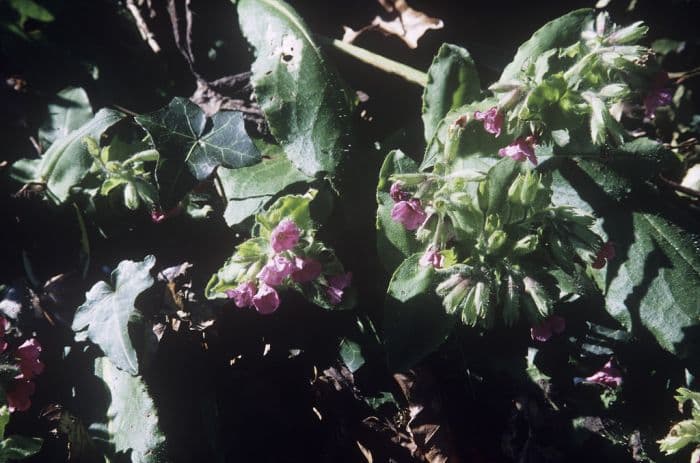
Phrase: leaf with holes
(108, 314)
(305, 105)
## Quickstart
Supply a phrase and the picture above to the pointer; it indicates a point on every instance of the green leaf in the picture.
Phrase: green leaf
(652, 281)
(132, 420)
(19, 447)
(304, 103)
(70, 110)
(29, 9)
(452, 82)
(294, 207)
(558, 33)
(67, 161)
(394, 242)
(108, 314)
(416, 324)
(4, 419)
(183, 137)
(248, 189)
(351, 353)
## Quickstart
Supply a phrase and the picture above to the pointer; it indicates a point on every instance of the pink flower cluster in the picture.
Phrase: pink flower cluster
(407, 211)
(263, 294)
(27, 358)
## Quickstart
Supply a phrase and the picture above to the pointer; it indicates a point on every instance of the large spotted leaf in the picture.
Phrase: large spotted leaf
(303, 100)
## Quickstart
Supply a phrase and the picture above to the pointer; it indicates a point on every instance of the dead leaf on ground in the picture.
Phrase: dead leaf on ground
(407, 24)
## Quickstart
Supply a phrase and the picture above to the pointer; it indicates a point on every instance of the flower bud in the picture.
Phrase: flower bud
(131, 197)
(528, 192)
(526, 245)
(493, 223)
(455, 297)
(482, 195)
(511, 302)
(496, 241)
(539, 296)
(629, 34)
(482, 299)
(614, 91)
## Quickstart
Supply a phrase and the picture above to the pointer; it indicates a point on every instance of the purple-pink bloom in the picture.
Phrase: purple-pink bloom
(336, 286)
(605, 254)
(243, 294)
(520, 149)
(552, 325)
(266, 300)
(307, 269)
(607, 376)
(409, 213)
(659, 95)
(28, 356)
(18, 395)
(431, 257)
(285, 236)
(397, 194)
(492, 119)
(276, 270)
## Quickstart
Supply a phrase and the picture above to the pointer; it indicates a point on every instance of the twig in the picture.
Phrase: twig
(36, 145)
(684, 75)
(146, 34)
(678, 187)
(378, 61)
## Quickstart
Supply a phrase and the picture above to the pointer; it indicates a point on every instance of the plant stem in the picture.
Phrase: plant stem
(378, 61)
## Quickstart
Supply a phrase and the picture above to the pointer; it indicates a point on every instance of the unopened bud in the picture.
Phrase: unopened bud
(629, 34)
(526, 245)
(131, 197)
(496, 241)
(511, 302)
(538, 295)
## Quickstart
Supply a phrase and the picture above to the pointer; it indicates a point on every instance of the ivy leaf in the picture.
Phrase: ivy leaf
(452, 82)
(394, 242)
(351, 353)
(558, 33)
(108, 314)
(131, 419)
(67, 161)
(70, 110)
(183, 136)
(415, 324)
(304, 102)
(248, 189)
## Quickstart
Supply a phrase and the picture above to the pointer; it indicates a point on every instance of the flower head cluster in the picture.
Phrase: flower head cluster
(26, 359)
(287, 257)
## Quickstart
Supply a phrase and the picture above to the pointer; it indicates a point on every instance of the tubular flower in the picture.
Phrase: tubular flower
(337, 285)
(607, 376)
(397, 194)
(492, 119)
(432, 257)
(659, 95)
(266, 300)
(520, 149)
(18, 395)
(276, 270)
(605, 254)
(307, 269)
(243, 294)
(285, 236)
(28, 356)
(553, 325)
(409, 213)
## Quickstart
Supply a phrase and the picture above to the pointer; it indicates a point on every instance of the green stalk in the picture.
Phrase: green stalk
(378, 61)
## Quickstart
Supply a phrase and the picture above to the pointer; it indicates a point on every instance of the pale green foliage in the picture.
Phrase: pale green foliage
(685, 432)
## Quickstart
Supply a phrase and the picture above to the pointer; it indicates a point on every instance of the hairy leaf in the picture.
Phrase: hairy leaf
(452, 82)
(131, 419)
(109, 312)
(303, 100)
(67, 161)
(69, 111)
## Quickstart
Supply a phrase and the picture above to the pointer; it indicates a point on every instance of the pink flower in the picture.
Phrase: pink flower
(18, 395)
(266, 300)
(285, 236)
(243, 294)
(397, 194)
(28, 356)
(492, 119)
(659, 95)
(158, 216)
(520, 149)
(607, 376)
(605, 254)
(542, 332)
(432, 257)
(276, 270)
(4, 325)
(337, 283)
(307, 269)
(409, 213)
